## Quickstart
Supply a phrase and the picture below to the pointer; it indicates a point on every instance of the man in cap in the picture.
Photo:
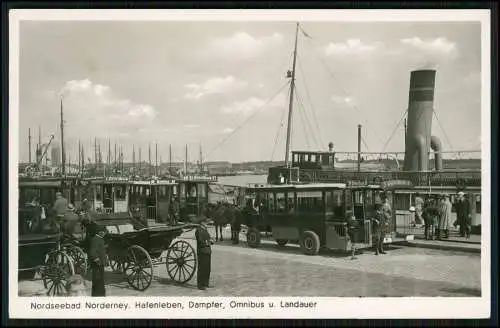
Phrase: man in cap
(174, 210)
(204, 252)
(60, 208)
(98, 260)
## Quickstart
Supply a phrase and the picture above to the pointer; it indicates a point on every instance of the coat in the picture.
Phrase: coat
(97, 250)
(445, 216)
(463, 212)
(203, 242)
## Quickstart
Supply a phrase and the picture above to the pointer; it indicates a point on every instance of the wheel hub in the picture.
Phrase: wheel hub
(180, 261)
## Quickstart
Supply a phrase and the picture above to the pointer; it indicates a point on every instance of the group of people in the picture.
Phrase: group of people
(435, 213)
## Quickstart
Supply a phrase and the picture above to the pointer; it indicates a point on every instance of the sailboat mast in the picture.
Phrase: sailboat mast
(63, 152)
(290, 108)
(29, 145)
(170, 159)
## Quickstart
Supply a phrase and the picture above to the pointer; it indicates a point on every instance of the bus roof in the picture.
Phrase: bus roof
(302, 186)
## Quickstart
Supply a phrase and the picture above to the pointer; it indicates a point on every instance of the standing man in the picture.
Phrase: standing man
(430, 215)
(60, 207)
(464, 217)
(204, 252)
(236, 224)
(173, 210)
(98, 260)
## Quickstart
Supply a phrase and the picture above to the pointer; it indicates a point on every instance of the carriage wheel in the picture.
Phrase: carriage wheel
(79, 259)
(58, 268)
(181, 261)
(138, 268)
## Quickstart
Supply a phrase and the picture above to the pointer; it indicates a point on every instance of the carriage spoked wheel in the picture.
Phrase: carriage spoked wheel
(181, 261)
(58, 268)
(138, 268)
(79, 259)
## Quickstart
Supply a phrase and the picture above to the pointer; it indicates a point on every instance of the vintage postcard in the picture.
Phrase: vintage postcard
(249, 164)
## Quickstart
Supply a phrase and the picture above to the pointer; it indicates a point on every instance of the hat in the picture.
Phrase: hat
(58, 193)
(71, 207)
(461, 193)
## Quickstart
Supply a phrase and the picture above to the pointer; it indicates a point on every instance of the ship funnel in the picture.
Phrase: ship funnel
(420, 110)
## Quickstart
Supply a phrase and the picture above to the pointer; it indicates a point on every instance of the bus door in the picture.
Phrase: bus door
(191, 198)
(363, 210)
(335, 214)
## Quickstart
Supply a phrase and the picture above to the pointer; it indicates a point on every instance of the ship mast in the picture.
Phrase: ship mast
(63, 152)
(292, 87)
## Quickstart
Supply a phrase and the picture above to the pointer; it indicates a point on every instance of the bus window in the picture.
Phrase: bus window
(202, 190)
(478, 204)
(290, 202)
(348, 198)
(182, 192)
(174, 190)
(358, 197)
(119, 193)
(310, 201)
(402, 202)
(369, 197)
(98, 192)
(270, 202)
(280, 202)
(192, 191)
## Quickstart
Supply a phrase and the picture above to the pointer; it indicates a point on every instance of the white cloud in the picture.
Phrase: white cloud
(227, 130)
(441, 46)
(215, 85)
(343, 100)
(95, 109)
(191, 126)
(252, 104)
(351, 47)
(242, 46)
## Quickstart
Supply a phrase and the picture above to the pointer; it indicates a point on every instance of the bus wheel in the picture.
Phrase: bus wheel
(310, 243)
(253, 238)
(281, 242)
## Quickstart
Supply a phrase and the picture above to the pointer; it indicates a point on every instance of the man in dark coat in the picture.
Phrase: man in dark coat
(204, 252)
(462, 208)
(430, 216)
(98, 260)
(174, 210)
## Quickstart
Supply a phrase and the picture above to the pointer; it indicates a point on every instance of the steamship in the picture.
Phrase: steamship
(420, 172)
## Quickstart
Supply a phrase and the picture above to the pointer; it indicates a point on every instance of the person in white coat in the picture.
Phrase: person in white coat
(445, 217)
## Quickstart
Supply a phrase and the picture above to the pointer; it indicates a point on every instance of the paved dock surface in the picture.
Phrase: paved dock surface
(238, 270)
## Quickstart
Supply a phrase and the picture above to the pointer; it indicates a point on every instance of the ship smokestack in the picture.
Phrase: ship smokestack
(418, 135)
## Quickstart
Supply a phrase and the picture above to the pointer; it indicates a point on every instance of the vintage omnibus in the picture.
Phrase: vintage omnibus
(193, 195)
(313, 215)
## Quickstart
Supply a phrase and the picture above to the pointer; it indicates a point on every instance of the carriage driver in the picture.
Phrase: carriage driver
(204, 252)
(98, 261)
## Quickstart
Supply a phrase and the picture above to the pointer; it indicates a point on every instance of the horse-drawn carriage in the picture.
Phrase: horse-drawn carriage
(135, 250)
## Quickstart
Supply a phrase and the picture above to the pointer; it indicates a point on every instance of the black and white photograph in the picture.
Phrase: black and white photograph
(249, 163)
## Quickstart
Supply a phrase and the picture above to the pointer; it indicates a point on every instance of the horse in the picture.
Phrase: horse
(223, 214)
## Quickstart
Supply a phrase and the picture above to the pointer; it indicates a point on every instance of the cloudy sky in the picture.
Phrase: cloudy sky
(223, 84)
